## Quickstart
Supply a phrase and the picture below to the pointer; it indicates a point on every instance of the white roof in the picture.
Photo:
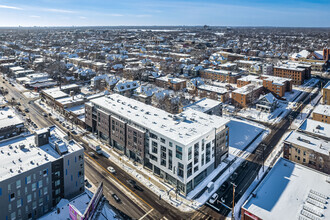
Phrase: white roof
(213, 88)
(55, 93)
(327, 86)
(175, 127)
(322, 109)
(15, 160)
(313, 143)
(203, 105)
(250, 78)
(316, 127)
(287, 190)
(9, 118)
(247, 89)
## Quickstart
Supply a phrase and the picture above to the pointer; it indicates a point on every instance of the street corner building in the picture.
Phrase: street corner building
(180, 148)
(37, 171)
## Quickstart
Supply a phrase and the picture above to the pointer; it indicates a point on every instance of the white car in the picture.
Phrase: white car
(213, 198)
(111, 170)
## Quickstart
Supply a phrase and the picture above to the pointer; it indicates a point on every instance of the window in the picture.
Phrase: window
(162, 140)
(34, 205)
(57, 182)
(40, 184)
(178, 152)
(45, 172)
(41, 201)
(57, 191)
(29, 198)
(154, 148)
(163, 162)
(152, 135)
(189, 170)
(18, 184)
(13, 216)
(208, 152)
(26, 190)
(57, 173)
(12, 196)
(195, 169)
(180, 169)
(28, 179)
(202, 159)
(170, 144)
(19, 203)
(189, 153)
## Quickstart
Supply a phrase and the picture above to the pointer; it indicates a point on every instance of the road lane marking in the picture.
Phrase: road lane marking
(118, 180)
(146, 214)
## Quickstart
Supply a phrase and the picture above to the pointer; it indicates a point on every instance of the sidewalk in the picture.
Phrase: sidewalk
(147, 178)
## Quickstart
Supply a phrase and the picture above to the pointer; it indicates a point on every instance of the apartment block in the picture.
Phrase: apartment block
(220, 75)
(295, 71)
(249, 79)
(326, 94)
(307, 150)
(171, 83)
(180, 148)
(277, 85)
(37, 171)
(246, 95)
(322, 113)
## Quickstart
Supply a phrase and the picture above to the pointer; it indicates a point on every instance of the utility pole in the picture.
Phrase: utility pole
(263, 157)
(233, 208)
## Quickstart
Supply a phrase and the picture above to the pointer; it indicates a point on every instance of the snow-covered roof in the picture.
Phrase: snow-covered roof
(269, 97)
(9, 118)
(249, 78)
(327, 86)
(215, 89)
(306, 141)
(289, 191)
(301, 54)
(319, 54)
(20, 154)
(182, 128)
(55, 93)
(316, 127)
(203, 105)
(247, 89)
(322, 110)
(123, 85)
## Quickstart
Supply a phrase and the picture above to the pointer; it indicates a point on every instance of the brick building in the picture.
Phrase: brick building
(171, 83)
(307, 150)
(326, 94)
(246, 95)
(322, 113)
(220, 75)
(298, 73)
(277, 85)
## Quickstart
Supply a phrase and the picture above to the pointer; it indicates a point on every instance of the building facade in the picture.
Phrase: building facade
(182, 149)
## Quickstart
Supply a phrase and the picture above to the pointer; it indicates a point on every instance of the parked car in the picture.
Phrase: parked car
(224, 186)
(116, 197)
(26, 110)
(135, 185)
(92, 155)
(213, 198)
(111, 170)
(44, 114)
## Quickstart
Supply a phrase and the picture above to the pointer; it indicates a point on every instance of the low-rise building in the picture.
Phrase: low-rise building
(289, 191)
(213, 92)
(246, 95)
(267, 103)
(10, 124)
(277, 85)
(173, 83)
(249, 79)
(295, 71)
(322, 113)
(220, 75)
(207, 106)
(326, 94)
(37, 171)
(307, 150)
(182, 149)
(316, 128)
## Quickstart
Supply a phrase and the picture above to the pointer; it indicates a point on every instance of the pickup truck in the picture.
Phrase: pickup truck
(96, 147)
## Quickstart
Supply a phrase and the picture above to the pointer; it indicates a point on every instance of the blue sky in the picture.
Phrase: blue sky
(298, 13)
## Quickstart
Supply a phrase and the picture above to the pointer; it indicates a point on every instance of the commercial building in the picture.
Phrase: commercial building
(37, 170)
(289, 191)
(182, 149)
(246, 95)
(10, 124)
(322, 113)
(326, 94)
(307, 150)
(295, 71)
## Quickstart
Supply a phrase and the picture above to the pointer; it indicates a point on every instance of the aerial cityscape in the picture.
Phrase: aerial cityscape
(152, 109)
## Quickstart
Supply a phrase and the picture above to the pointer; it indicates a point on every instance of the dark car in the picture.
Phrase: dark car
(135, 185)
(224, 186)
(35, 126)
(233, 176)
(116, 198)
(26, 110)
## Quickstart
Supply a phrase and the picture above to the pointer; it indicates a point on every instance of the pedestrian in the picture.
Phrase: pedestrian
(160, 197)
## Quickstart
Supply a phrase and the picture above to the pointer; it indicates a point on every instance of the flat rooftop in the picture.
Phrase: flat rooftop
(309, 142)
(289, 191)
(8, 118)
(250, 78)
(247, 89)
(322, 110)
(327, 86)
(183, 128)
(203, 105)
(55, 93)
(316, 127)
(215, 89)
(20, 154)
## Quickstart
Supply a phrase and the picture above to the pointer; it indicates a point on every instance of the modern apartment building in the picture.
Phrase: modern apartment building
(277, 85)
(307, 150)
(182, 149)
(295, 71)
(37, 170)
(326, 94)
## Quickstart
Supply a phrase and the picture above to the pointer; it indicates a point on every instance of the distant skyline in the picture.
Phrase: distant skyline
(284, 13)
